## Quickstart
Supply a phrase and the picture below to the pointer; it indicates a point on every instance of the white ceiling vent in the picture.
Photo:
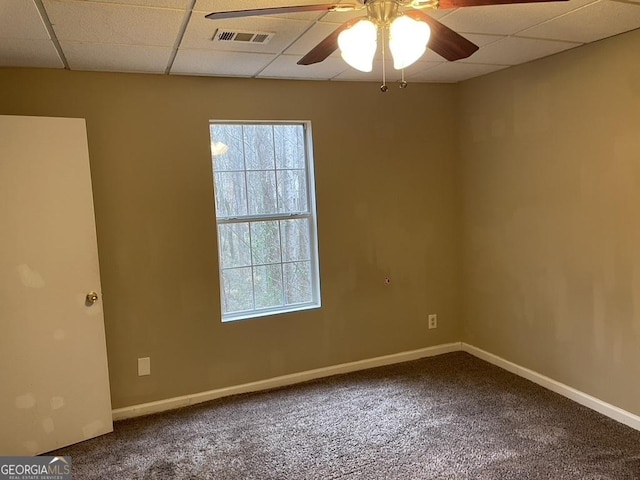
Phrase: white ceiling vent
(241, 36)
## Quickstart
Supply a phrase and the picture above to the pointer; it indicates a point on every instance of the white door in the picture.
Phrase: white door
(54, 383)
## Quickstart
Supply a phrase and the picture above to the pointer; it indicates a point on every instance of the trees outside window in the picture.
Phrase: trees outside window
(265, 212)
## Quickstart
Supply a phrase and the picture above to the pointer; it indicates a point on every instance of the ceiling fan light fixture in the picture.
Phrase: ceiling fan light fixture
(408, 40)
(358, 45)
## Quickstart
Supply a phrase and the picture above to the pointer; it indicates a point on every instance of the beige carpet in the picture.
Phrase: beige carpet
(446, 417)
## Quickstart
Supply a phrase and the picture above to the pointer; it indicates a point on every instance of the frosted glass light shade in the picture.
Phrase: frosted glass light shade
(408, 40)
(358, 45)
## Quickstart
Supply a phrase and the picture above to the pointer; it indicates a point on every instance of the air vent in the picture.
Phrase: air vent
(242, 36)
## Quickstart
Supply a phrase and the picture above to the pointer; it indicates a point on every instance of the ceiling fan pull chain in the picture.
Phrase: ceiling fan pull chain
(383, 87)
(403, 83)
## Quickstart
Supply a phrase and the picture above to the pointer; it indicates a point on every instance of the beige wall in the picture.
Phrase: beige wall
(386, 194)
(550, 156)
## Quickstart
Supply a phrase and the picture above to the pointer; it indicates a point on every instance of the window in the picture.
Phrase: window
(265, 212)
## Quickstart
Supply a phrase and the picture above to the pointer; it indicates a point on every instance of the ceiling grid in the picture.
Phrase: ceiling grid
(173, 37)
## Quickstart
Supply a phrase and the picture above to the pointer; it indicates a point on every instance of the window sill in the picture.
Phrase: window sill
(267, 313)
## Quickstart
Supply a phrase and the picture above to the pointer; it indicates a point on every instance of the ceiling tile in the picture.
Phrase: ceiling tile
(110, 23)
(222, 64)
(178, 4)
(200, 31)
(514, 51)
(21, 20)
(116, 58)
(451, 72)
(285, 66)
(507, 19)
(593, 22)
(311, 38)
(353, 75)
(208, 6)
(392, 75)
(22, 52)
(480, 40)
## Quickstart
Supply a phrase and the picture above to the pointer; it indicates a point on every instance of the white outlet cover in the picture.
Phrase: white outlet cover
(144, 366)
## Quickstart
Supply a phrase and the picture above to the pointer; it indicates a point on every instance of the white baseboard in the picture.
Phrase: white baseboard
(577, 396)
(183, 401)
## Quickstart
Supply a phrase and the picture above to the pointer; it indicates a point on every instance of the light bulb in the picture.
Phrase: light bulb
(408, 40)
(358, 45)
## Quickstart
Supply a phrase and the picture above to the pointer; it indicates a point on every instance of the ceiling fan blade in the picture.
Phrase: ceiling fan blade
(444, 41)
(444, 4)
(327, 46)
(327, 7)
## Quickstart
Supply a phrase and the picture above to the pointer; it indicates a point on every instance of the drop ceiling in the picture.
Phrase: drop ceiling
(173, 37)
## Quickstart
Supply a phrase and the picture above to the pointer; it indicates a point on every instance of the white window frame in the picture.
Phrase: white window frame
(311, 215)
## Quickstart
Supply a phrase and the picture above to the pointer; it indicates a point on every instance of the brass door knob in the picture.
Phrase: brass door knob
(92, 297)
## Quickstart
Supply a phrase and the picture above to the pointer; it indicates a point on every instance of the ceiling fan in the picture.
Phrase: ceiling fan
(411, 30)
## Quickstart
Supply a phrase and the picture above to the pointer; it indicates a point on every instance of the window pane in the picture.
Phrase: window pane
(231, 194)
(231, 137)
(237, 290)
(297, 282)
(265, 242)
(267, 281)
(262, 192)
(268, 260)
(295, 239)
(235, 250)
(289, 146)
(258, 147)
(292, 191)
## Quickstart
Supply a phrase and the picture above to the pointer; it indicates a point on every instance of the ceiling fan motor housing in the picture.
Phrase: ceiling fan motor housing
(382, 12)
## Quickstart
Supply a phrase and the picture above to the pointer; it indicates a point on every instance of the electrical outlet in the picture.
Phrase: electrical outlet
(433, 320)
(144, 366)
